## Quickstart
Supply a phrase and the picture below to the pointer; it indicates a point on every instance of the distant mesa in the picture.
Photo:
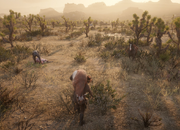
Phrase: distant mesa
(71, 7)
(123, 9)
(49, 12)
(127, 14)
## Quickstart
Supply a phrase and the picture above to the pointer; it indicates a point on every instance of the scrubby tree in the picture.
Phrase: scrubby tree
(117, 22)
(139, 25)
(27, 22)
(122, 24)
(35, 22)
(95, 22)
(67, 24)
(87, 25)
(177, 29)
(42, 22)
(160, 29)
(113, 23)
(148, 32)
(58, 23)
(53, 23)
(73, 24)
(10, 21)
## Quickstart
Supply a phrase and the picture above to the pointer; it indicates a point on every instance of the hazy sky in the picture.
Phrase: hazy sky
(34, 6)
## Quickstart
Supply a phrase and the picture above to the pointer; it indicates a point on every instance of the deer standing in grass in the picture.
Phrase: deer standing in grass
(80, 82)
(132, 49)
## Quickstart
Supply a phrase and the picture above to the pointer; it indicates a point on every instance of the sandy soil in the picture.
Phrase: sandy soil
(54, 77)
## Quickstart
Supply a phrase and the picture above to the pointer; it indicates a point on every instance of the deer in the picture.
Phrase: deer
(132, 49)
(80, 82)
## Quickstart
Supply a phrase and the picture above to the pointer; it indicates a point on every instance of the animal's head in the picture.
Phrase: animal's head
(89, 79)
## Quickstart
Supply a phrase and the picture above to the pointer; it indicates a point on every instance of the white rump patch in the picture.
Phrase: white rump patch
(74, 74)
(81, 98)
(130, 47)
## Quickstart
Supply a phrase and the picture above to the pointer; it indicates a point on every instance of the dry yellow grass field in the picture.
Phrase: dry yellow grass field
(42, 102)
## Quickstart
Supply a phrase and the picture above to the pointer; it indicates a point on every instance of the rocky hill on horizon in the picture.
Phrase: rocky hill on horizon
(50, 13)
(99, 10)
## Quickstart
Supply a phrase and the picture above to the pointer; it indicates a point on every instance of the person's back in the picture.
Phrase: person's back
(36, 54)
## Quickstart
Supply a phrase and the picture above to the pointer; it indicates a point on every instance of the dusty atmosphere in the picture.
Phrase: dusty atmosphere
(132, 58)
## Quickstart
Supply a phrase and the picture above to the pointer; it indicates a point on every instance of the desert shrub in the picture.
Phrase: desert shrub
(35, 33)
(21, 52)
(5, 31)
(129, 32)
(110, 44)
(24, 37)
(17, 70)
(68, 37)
(104, 97)
(119, 42)
(42, 48)
(98, 38)
(64, 101)
(123, 30)
(106, 30)
(116, 53)
(164, 56)
(95, 40)
(6, 100)
(143, 43)
(29, 79)
(80, 57)
(99, 29)
(4, 54)
(7, 65)
(106, 37)
(47, 32)
(21, 49)
(75, 34)
(91, 43)
(129, 66)
(148, 119)
(105, 55)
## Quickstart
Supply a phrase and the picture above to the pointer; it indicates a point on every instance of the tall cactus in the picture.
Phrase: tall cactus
(113, 23)
(53, 22)
(9, 21)
(87, 24)
(95, 22)
(149, 29)
(67, 24)
(139, 25)
(28, 22)
(161, 29)
(177, 29)
(42, 22)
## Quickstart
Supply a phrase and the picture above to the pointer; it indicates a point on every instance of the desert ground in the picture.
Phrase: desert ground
(40, 106)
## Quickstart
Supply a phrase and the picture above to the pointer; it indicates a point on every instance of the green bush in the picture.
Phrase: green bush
(164, 57)
(6, 100)
(4, 54)
(98, 38)
(105, 55)
(116, 53)
(80, 58)
(8, 65)
(110, 45)
(35, 33)
(104, 97)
